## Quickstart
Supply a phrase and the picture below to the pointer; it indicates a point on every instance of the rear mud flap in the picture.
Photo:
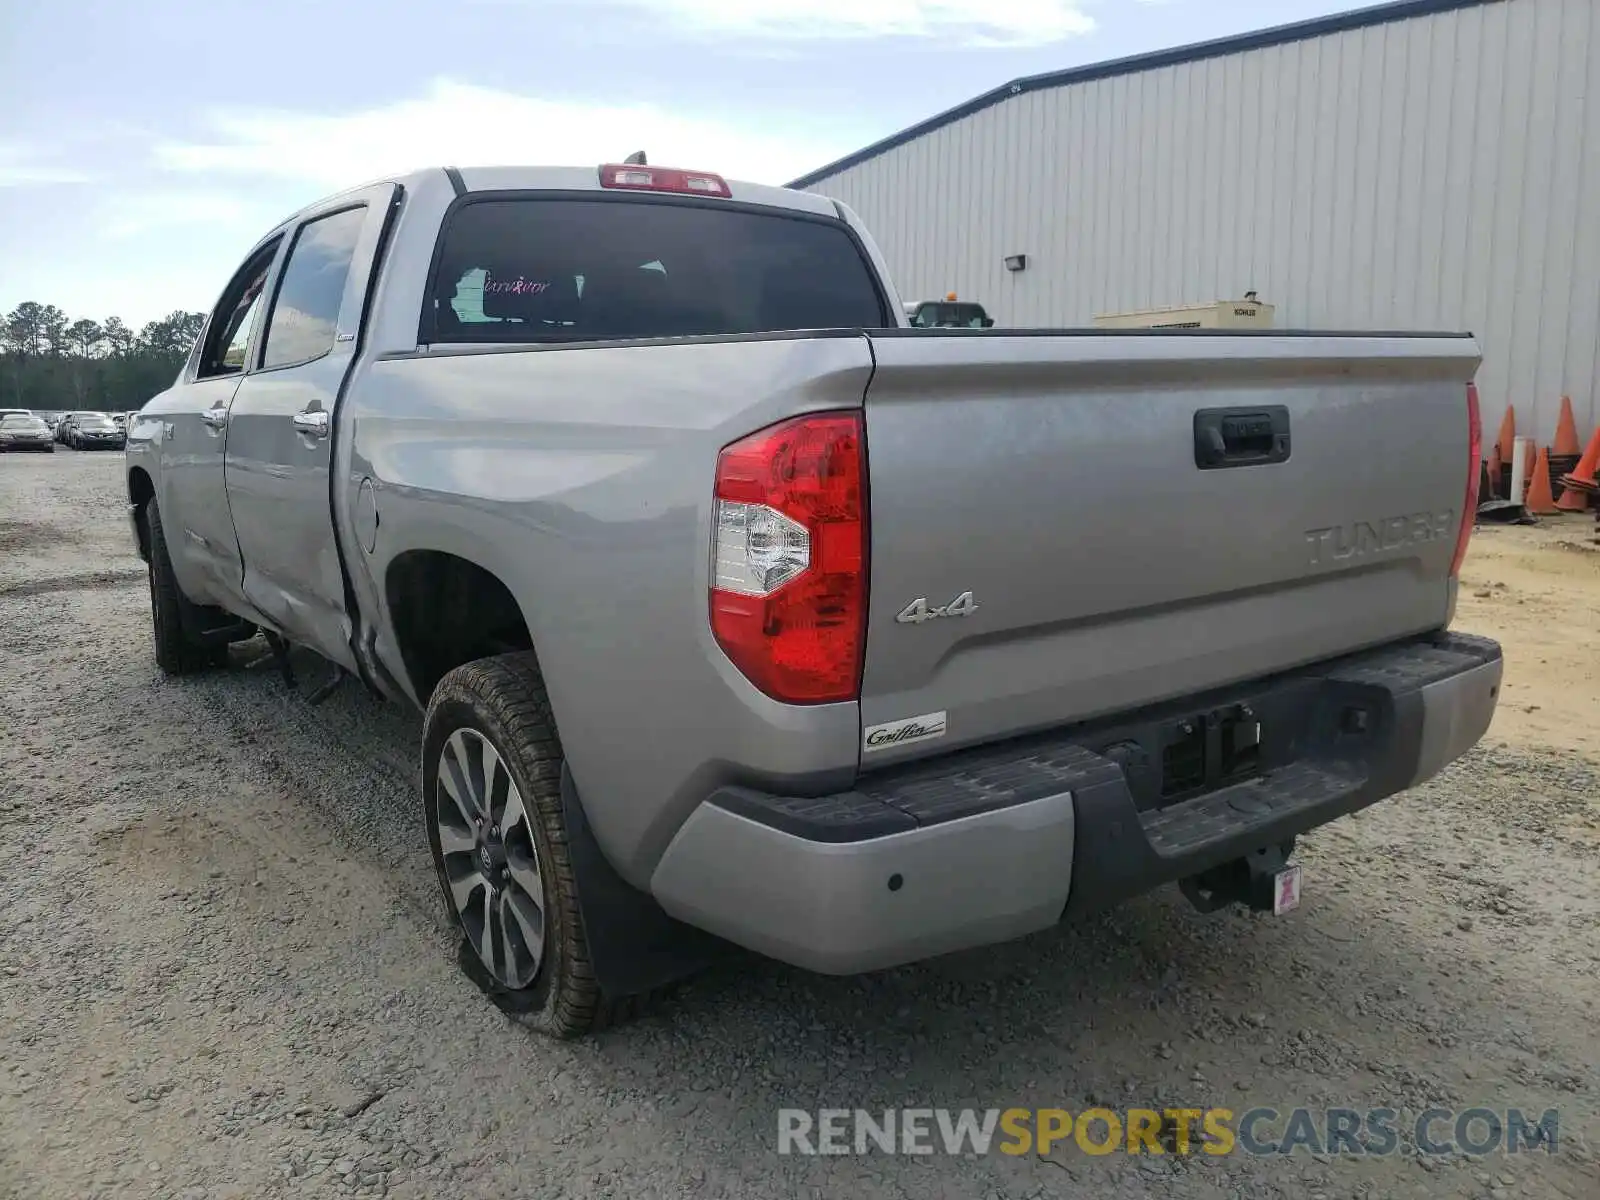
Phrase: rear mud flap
(634, 946)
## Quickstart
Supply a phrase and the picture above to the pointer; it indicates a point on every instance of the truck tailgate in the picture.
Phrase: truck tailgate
(1046, 547)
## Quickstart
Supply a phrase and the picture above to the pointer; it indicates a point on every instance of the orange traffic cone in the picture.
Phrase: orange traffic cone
(1573, 500)
(1540, 501)
(1566, 443)
(1577, 486)
(1508, 433)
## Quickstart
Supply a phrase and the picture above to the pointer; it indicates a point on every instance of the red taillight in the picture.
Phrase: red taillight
(1469, 506)
(788, 558)
(663, 179)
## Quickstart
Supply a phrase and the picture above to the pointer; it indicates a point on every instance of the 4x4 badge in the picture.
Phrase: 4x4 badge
(919, 610)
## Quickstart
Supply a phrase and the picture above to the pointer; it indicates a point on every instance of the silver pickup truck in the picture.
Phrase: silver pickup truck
(742, 613)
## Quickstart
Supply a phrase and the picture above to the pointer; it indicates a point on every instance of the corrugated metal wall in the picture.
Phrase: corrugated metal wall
(1437, 172)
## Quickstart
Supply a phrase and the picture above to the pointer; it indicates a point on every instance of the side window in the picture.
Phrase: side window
(228, 331)
(305, 315)
(244, 318)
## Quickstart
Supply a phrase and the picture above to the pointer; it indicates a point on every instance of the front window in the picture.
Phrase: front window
(239, 325)
(227, 338)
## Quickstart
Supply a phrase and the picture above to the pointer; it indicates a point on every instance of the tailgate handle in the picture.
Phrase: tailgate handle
(1241, 437)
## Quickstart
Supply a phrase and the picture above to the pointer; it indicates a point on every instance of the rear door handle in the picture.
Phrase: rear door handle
(216, 417)
(312, 422)
(1241, 437)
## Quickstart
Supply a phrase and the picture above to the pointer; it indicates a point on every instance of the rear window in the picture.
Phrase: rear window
(541, 270)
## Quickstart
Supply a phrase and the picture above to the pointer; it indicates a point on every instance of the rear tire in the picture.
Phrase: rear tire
(500, 703)
(176, 652)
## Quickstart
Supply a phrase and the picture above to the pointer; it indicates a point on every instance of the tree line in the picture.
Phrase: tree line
(48, 361)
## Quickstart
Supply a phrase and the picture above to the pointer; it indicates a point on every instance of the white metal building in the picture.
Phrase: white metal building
(1419, 165)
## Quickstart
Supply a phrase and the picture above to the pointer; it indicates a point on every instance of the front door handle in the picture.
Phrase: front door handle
(312, 422)
(215, 417)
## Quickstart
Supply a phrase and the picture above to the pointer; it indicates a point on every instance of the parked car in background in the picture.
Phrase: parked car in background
(948, 313)
(63, 428)
(16, 412)
(24, 431)
(95, 431)
(728, 598)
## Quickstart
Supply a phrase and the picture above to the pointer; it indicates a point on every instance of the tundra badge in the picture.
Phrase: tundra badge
(1361, 538)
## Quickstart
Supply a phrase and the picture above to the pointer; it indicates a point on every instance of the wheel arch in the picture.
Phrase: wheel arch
(141, 490)
(445, 610)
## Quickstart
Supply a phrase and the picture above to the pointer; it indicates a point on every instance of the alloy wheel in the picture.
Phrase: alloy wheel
(490, 858)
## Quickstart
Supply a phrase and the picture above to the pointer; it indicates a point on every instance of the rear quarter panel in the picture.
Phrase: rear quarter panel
(582, 478)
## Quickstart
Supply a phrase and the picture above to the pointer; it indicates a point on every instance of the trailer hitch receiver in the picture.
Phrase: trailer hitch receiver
(1263, 881)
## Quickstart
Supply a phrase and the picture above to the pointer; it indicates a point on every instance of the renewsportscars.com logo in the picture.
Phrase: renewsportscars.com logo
(1258, 1131)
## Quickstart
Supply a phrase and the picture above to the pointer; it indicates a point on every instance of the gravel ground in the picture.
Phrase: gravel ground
(224, 970)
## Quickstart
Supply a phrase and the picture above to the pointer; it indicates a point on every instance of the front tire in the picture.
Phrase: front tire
(491, 786)
(176, 652)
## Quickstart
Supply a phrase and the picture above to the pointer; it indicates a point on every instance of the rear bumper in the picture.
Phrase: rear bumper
(1004, 840)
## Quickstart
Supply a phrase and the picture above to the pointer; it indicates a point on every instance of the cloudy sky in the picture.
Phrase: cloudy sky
(144, 146)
